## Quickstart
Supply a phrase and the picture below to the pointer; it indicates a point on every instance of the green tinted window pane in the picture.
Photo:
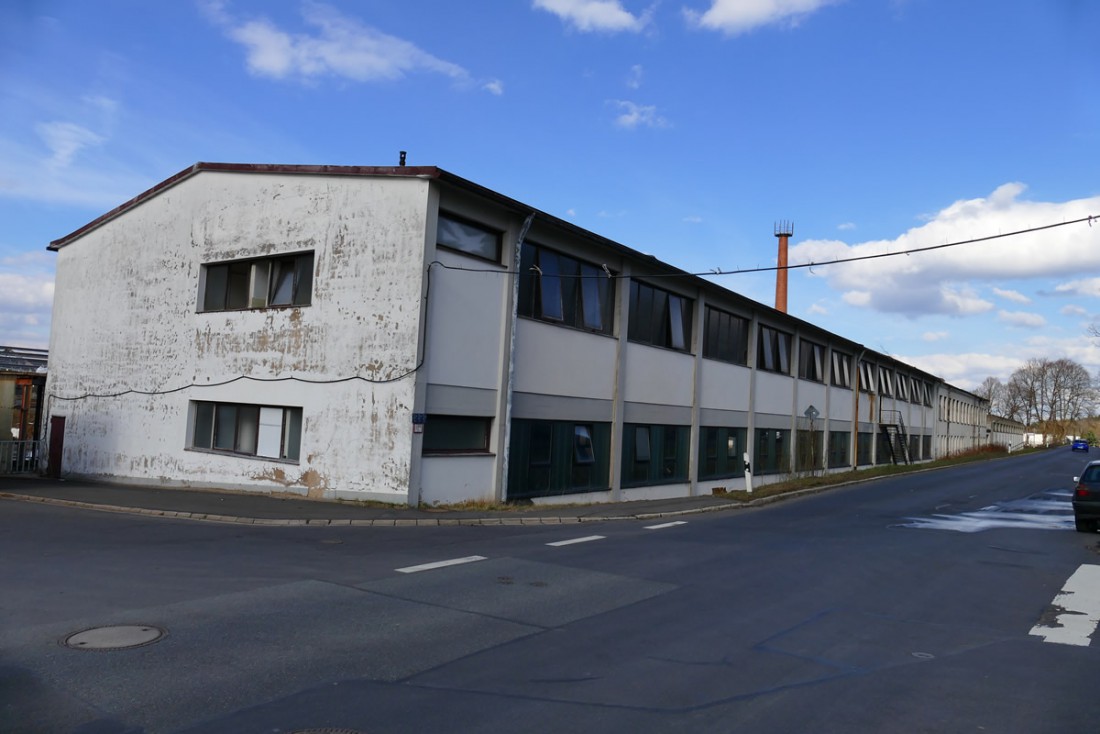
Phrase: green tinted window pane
(292, 437)
(204, 426)
(225, 427)
(303, 280)
(542, 440)
(238, 285)
(444, 433)
(217, 279)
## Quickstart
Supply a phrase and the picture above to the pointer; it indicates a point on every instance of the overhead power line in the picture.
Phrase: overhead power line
(815, 264)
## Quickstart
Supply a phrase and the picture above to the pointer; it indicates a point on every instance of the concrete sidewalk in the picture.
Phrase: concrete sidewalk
(256, 509)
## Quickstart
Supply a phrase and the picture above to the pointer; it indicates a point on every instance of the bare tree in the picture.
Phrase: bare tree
(994, 391)
(1050, 394)
(1015, 402)
(1028, 384)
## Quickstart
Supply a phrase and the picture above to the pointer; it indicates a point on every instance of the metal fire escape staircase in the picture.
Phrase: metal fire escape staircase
(896, 436)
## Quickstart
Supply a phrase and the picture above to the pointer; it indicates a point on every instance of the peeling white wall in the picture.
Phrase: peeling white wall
(125, 318)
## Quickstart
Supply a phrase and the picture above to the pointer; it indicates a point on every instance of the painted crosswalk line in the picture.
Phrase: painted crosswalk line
(1074, 614)
(439, 564)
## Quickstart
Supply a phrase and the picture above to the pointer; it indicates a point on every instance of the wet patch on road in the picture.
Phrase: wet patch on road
(1047, 510)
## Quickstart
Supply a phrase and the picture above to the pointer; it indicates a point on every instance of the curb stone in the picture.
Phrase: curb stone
(424, 522)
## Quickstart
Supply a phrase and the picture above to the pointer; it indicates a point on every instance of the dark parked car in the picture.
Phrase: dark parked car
(1080, 444)
(1086, 498)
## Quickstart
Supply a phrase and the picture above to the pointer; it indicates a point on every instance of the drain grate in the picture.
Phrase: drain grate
(117, 637)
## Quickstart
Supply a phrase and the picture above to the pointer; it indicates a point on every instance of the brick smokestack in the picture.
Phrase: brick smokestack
(783, 230)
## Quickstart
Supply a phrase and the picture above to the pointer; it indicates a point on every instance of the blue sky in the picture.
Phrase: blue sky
(681, 128)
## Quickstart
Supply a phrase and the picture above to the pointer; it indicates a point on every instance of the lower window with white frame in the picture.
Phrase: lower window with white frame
(266, 431)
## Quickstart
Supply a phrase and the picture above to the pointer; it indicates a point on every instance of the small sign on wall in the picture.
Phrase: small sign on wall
(419, 419)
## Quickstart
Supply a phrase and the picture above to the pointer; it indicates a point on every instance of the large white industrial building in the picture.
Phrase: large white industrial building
(405, 335)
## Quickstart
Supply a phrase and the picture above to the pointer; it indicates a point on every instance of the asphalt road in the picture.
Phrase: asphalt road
(902, 605)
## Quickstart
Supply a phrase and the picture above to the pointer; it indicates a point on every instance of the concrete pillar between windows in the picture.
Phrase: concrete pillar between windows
(697, 392)
(622, 318)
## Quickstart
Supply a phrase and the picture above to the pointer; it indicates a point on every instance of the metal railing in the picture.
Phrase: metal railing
(19, 457)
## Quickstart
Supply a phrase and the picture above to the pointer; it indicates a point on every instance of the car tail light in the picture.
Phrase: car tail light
(1081, 491)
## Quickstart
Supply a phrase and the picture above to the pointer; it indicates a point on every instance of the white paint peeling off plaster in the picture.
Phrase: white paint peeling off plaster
(125, 318)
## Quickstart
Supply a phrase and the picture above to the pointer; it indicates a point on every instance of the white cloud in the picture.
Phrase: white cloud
(65, 140)
(961, 301)
(596, 15)
(1072, 310)
(26, 293)
(339, 46)
(693, 219)
(26, 299)
(1014, 296)
(967, 370)
(102, 103)
(943, 280)
(1022, 319)
(733, 17)
(817, 309)
(26, 173)
(494, 86)
(934, 336)
(1087, 287)
(846, 226)
(857, 298)
(632, 116)
(634, 81)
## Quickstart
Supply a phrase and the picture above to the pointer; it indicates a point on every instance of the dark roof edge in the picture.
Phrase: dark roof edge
(402, 171)
(660, 265)
(502, 200)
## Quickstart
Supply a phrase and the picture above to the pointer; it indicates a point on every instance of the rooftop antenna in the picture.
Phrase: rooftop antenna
(783, 230)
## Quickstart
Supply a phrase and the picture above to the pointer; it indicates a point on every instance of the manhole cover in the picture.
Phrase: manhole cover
(118, 637)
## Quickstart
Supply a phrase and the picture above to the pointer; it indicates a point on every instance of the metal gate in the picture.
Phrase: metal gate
(19, 457)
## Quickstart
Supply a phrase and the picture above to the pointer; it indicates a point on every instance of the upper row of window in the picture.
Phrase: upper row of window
(562, 289)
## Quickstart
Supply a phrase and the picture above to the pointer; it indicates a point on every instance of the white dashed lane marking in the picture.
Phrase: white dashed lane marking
(1075, 613)
(664, 525)
(439, 564)
(586, 539)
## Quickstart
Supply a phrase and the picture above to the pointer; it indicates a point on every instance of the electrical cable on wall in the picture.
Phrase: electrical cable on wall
(305, 380)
